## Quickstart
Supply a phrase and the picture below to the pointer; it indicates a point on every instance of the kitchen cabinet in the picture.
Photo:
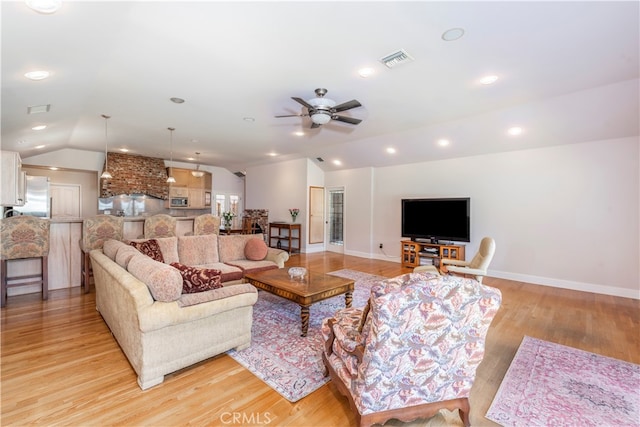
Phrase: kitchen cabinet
(14, 180)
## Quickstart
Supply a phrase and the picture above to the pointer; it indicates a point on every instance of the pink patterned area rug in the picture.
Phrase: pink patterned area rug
(550, 384)
(278, 355)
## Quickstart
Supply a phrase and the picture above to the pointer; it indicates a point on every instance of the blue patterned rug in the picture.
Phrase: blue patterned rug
(278, 355)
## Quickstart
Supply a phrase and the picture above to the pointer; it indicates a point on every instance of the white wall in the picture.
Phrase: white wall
(565, 216)
(280, 187)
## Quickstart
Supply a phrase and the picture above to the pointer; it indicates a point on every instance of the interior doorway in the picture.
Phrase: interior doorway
(335, 219)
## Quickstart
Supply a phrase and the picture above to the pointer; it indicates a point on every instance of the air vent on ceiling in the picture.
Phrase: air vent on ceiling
(35, 109)
(320, 159)
(240, 174)
(396, 58)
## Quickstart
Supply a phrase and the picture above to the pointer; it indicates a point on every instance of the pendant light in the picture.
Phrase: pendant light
(171, 179)
(106, 174)
(197, 173)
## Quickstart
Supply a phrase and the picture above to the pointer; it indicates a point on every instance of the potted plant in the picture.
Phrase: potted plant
(227, 217)
(294, 213)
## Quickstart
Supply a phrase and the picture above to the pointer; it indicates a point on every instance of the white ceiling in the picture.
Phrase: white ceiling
(568, 73)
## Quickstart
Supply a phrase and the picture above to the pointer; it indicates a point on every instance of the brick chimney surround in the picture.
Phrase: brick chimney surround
(135, 175)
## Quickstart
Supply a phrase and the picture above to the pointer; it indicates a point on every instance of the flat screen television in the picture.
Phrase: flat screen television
(437, 219)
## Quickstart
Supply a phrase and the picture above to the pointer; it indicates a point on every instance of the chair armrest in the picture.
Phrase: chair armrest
(466, 270)
(358, 351)
(457, 262)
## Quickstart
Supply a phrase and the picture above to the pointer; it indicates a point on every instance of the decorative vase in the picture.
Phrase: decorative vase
(293, 218)
(227, 225)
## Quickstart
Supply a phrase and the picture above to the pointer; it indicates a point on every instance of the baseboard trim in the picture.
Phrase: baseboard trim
(567, 284)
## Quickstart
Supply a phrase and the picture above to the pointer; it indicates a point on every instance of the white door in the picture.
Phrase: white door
(65, 200)
(316, 215)
(335, 219)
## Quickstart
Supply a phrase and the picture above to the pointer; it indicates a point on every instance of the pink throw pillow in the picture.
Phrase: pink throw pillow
(198, 279)
(150, 248)
(255, 249)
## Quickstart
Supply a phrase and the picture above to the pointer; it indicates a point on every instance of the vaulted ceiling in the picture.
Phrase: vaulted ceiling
(567, 73)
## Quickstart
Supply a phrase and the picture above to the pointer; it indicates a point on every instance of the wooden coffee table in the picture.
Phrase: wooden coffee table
(313, 288)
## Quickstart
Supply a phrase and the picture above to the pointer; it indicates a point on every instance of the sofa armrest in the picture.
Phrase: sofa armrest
(278, 256)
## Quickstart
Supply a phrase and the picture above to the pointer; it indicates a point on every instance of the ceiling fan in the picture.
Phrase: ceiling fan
(322, 110)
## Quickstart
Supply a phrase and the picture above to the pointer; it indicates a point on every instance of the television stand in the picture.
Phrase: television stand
(415, 253)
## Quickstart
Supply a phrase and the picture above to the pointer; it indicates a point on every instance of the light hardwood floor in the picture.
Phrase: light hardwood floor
(61, 366)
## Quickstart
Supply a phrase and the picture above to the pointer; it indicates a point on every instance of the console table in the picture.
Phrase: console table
(285, 235)
(413, 252)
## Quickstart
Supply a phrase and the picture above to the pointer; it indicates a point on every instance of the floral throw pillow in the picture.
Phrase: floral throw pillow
(150, 248)
(198, 279)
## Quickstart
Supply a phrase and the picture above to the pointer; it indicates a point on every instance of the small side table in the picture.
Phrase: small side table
(285, 235)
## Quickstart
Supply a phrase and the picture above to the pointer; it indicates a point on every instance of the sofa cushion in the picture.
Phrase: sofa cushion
(110, 248)
(198, 250)
(150, 248)
(124, 255)
(229, 272)
(232, 247)
(196, 279)
(255, 249)
(164, 282)
(215, 294)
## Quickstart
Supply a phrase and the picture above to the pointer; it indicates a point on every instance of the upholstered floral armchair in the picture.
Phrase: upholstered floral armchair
(413, 350)
(95, 231)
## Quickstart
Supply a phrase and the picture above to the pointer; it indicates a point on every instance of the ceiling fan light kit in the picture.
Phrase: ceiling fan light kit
(322, 110)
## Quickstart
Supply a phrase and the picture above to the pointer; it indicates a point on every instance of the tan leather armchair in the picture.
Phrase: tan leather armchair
(477, 267)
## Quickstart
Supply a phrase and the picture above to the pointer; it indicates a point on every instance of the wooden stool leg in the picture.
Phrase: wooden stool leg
(3, 286)
(86, 271)
(45, 277)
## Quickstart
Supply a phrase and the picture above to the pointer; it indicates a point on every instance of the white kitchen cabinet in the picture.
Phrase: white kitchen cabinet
(14, 180)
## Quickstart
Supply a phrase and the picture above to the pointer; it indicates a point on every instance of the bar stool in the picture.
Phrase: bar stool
(160, 225)
(205, 224)
(95, 231)
(24, 237)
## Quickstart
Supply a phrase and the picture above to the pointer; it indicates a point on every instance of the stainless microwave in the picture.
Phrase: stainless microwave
(179, 202)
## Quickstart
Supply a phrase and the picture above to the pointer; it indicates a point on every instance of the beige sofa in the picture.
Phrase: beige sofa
(161, 330)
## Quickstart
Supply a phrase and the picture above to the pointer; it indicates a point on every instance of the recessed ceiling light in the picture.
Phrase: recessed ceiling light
(272, 154)
(39, 127)
(487, 80)
(337, 162)
(443, 142)
(249, 119)
(176, 100)
(391, 150)
(124, 150)
(39, 147)
(365, 72)
(515, 131)
(299, 133)
(53, 168)
(37, 75)
(452, 34)
(44, 6)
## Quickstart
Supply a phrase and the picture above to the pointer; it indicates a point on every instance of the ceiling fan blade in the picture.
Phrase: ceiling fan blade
(292, 115)
(345, 119)
(347, 105)
(303, 102)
